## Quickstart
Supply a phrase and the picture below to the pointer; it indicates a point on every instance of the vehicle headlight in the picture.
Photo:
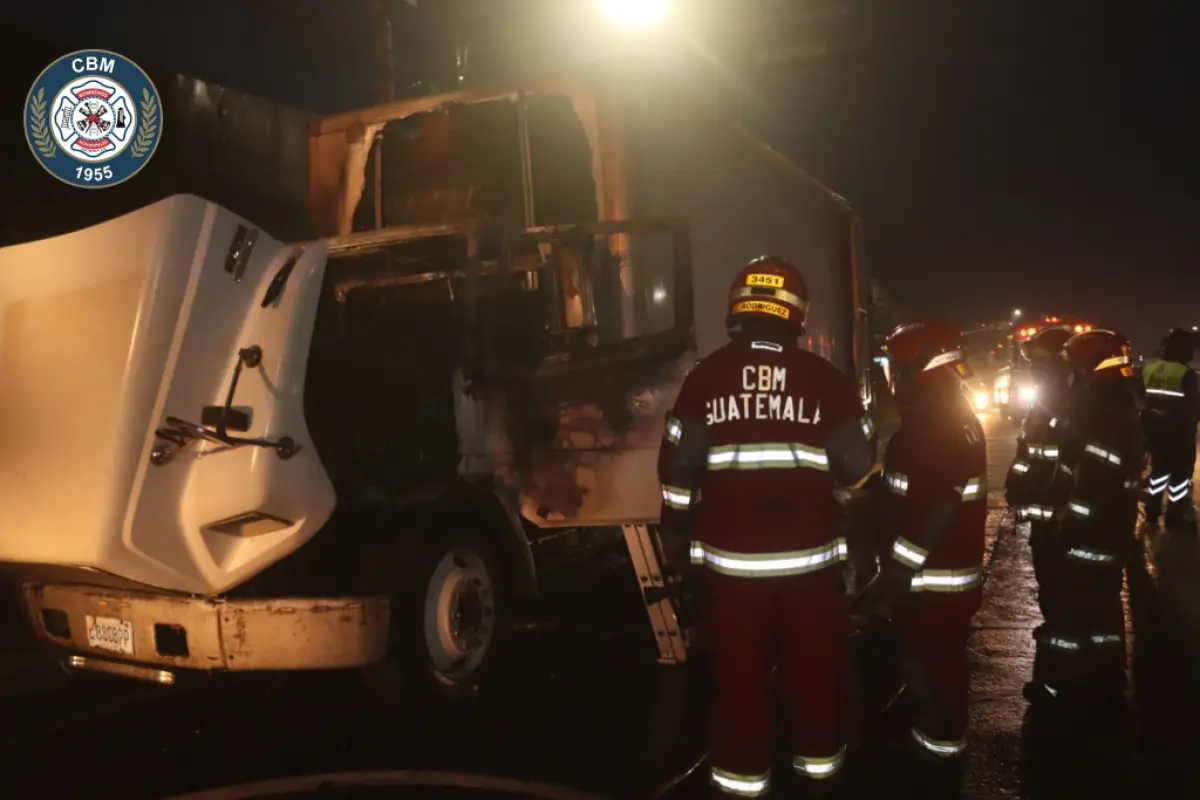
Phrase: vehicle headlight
(981, 400)
(1029, 393)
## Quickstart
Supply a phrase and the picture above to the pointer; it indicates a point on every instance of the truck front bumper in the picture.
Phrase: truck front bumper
(148, 635)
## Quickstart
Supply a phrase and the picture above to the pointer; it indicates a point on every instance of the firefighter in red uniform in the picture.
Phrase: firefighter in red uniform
(1081, 646)
(760, 435)
(1030, 486)
(933, 512)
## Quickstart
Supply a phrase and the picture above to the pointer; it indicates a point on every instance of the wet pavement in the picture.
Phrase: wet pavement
(590, 709)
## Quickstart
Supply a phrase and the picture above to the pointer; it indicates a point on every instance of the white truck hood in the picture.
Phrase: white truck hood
(107, 331)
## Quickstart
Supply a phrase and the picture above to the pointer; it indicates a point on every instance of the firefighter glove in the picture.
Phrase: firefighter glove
(676, 549)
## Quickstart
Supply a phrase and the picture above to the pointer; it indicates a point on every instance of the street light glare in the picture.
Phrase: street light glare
(1016, 312)
(635, 13)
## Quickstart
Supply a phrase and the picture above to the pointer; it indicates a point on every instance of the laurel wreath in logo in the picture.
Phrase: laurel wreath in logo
(147, 127)
(38, 130)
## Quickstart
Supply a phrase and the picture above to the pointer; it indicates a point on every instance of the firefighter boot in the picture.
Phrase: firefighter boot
(1180, 515)
(1044, 688)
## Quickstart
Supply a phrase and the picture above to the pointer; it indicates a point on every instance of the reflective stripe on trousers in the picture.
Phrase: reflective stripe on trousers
(740, 785)
(1079, 510)
(1090, 556)
(1176, 492)
(819, 768)
(940, 747)
(1034, 512)
(768, 455)
(1180, 492)
(1049, 452)
(948, 580)
(769, 565)
(1073, 644)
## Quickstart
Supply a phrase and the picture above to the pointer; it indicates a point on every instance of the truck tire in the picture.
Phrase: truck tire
(451, 626)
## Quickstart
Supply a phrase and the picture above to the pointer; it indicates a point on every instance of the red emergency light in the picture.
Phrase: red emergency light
(1025, 332)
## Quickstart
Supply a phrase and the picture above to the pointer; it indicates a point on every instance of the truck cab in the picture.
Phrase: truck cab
(363, 449)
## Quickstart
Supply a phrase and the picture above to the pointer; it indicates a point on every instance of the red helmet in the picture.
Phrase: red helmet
(925, 353)
(769, 287)
(1047, 343)
(1099, 356)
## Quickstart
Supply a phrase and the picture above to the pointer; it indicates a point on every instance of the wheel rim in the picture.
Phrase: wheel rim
(460, 615)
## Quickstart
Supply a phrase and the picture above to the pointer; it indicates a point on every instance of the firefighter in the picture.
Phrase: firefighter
(1028, 486)
(933, 514)
(761, 434)
(1172, 407)
(1080, 654)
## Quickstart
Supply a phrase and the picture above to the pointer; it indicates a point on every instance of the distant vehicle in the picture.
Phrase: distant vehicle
(1014, 390)
(977, 393)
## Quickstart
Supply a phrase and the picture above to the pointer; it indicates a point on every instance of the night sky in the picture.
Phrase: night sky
(1003, 153)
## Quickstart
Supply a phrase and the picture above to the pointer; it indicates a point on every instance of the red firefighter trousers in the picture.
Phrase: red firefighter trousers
(933, 648)
(799, 623)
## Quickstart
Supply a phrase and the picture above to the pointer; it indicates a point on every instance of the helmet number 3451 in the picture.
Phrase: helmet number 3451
(93, 119)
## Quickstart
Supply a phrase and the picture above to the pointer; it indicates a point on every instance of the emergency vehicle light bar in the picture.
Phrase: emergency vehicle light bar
(1026, 332)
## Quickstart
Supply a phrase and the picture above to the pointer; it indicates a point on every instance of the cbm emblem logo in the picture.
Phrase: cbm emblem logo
(93, 119)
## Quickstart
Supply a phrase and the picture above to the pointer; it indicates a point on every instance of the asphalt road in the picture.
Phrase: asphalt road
(588, 710)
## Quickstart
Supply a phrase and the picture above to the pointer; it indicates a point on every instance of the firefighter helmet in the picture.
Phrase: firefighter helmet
(1178, 345)
(769, 287)
(1099, 356)
(1046, 343)
(924, 354)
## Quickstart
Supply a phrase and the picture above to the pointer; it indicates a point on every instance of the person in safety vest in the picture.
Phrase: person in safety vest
(1080, 652)
(761, 434)
(933, 514)
(1172, 409)
(1029, 486)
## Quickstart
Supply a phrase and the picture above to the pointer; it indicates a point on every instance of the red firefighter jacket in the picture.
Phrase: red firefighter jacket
(934, 507)
(744, 464)
(1102, 456)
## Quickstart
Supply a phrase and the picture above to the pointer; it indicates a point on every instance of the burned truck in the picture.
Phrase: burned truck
(229, 452)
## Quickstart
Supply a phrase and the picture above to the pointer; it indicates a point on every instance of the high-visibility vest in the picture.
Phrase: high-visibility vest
(1164, 381)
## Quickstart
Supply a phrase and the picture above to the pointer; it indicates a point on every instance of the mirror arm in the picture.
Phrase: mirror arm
(179, 432)
(250, 357)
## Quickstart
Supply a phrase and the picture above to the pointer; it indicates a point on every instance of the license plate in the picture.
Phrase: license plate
(108, 633)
